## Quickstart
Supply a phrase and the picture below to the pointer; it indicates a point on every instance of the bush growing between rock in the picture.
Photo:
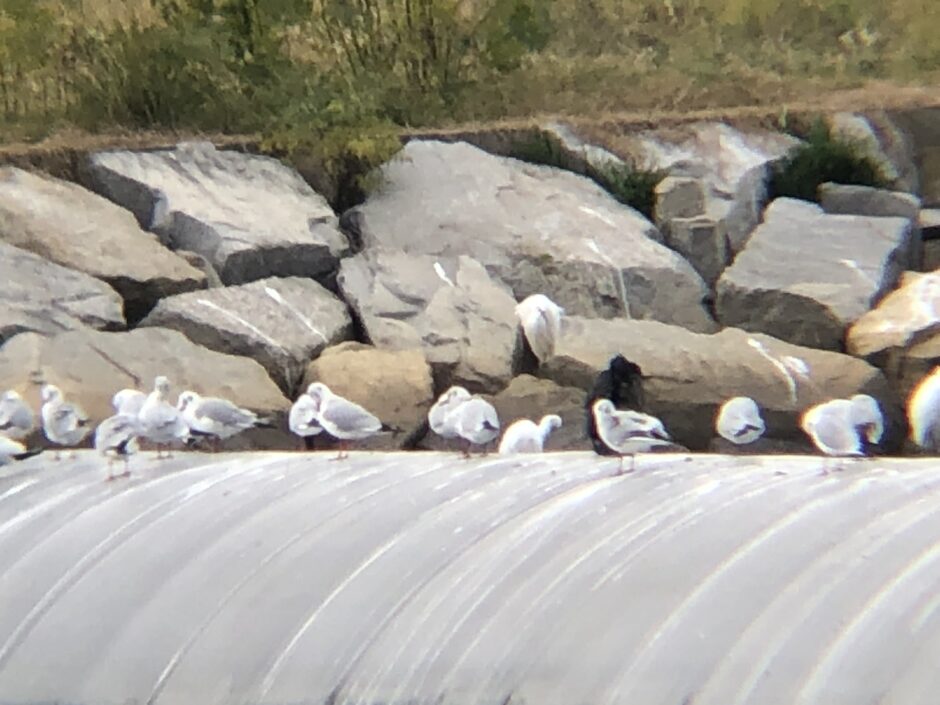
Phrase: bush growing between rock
(822, 158)
(629, 184)
(632, 186)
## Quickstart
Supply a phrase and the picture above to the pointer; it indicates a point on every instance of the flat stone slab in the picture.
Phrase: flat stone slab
(687, 376)
(806, 276)
(283, 323)
(395, 577)
(40, 296)
(538, 229)
(252, 217)
(71, 226)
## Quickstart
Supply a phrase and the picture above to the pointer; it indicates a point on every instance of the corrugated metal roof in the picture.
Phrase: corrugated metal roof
(424, 578)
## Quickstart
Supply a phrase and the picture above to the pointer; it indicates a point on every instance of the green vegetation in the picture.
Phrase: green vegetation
(631, 185)
(343, 77)
(628, 183)
(819, 159)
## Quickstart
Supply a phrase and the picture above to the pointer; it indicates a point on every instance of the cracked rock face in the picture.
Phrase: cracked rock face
(536, 228)
(250, 216)
(806, 276)
(283, 323)
(451, 308)
(76, 228)
(37, 295)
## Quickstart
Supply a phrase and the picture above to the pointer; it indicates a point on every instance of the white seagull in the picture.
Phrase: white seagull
(11, 450)
(867, 418)
(216, 418)
(475, 421)
(341, 418)
(739, 421)
(447, 402)
(116, 437)
(128, 402)
(629, 432)
(16, 418)
(831, 428)
(303, 420)
(525, 436)
(540, 318)
(160, 421)
(923, 412)
(63, 423)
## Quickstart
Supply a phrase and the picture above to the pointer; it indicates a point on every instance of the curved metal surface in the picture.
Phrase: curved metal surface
(423, 578)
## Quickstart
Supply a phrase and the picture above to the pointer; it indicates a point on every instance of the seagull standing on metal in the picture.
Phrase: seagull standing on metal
(343, 419)
(622, 383)
(11, 450)
(160, 421)
(303, 421)
(116, 437)
(447, 402)
(627, 433)
(475, 421)
(525, 436)
(63, 423)
(923, 412)
(739, 420)
(16, 418)
(216, 418)
(128, 402)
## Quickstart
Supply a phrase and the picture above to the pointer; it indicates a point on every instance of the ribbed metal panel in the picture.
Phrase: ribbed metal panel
(423, 578)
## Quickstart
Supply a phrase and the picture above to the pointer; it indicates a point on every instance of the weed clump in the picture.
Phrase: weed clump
(821, 158)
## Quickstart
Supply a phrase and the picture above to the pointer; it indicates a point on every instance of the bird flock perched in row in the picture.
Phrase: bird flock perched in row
(616, 423)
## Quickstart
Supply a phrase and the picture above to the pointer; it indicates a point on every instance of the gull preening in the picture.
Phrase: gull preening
(128, 402)
(438, 413)
(923, 412)
(475, 421)
(214, 417)
(739, 420)
(11, 450)
(16, 417)
(161, 422)
(459, 414)
(64, 424)
(303, 420)
(844, 427)
(343, 419)
(627, 433)
(525, 436)
(540, 318)
(116, 437)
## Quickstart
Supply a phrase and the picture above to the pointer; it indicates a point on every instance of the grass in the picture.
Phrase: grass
(819, 159)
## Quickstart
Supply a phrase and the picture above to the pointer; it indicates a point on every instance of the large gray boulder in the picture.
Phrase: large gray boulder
(539, 229)
(731, 164)
(40, 296)
(806, 276)
(687, 375)
(462, 319)
(76, 228)
(281, 323)
(90, 366)
(250, 216)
